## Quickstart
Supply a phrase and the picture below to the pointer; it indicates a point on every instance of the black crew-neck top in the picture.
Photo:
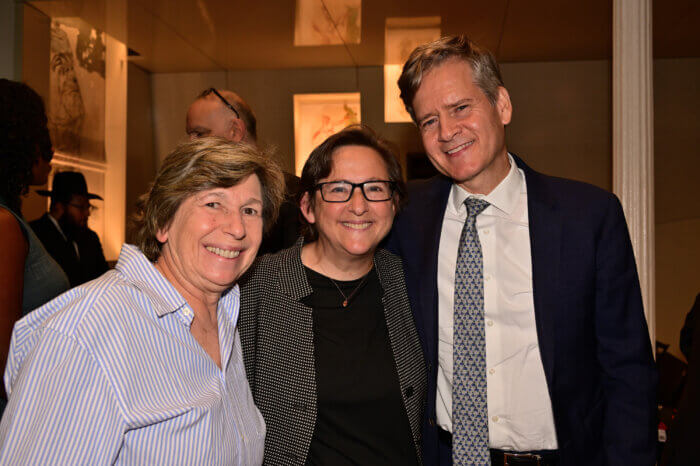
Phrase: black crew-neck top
(361, 417)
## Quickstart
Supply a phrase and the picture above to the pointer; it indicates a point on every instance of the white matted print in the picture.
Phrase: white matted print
(317, 116)
(328, 22)
(76, 107)
(401, 37)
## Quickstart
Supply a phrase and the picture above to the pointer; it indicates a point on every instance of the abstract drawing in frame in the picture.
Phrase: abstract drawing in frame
(328, 22)
(317, 116)
(76, 108)
(401, 36)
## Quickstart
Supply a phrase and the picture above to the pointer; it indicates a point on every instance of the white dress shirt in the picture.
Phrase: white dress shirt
(520, 410)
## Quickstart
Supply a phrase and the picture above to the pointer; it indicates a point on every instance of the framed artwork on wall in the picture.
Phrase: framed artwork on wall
(329, 22)
(401, 36)
(317, 116)
(76, 106)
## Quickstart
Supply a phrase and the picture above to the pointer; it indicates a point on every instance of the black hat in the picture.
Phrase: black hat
(66, 184)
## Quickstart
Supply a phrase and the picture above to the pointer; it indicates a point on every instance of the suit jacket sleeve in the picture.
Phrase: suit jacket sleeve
(623, 346)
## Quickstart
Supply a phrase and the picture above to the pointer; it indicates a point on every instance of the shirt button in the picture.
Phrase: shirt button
(489, 323)
(487, 277)
(486, 232)
(492, 371)
(494, 419)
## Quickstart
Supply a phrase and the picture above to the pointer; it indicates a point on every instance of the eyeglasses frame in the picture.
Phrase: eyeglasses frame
(211, 90)
(89, 208)
(392, 186)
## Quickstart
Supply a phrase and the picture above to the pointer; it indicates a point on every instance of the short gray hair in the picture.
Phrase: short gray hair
(485, 70)
(196, 166)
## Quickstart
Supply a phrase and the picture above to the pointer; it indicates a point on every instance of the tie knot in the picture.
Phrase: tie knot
(475, 206)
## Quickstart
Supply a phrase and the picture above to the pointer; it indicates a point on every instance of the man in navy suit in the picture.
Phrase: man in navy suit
(570, 376)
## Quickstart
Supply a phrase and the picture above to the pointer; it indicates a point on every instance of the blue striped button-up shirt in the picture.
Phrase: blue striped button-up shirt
(108, 373)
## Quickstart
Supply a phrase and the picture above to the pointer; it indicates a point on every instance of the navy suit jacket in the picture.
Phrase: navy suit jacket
(590, 322)
(91, 263)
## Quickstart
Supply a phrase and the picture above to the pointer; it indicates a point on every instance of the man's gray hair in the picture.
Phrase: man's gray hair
(485, 70)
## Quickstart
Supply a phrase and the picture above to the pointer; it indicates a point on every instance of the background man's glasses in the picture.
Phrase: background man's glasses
(341, 191)
(211, 90)
(84, 207)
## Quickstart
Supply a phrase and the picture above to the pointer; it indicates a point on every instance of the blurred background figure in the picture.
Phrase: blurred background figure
(64, 229)
(144, 364)
(29, 277)
(225, 114)
(681, 447)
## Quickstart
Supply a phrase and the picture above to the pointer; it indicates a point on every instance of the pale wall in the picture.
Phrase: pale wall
(677, 175)
(549, 128)
(561, 126)
(141, 163)
(35, 72)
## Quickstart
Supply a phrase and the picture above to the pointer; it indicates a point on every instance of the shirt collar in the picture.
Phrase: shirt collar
(142, 273)
(504, 197)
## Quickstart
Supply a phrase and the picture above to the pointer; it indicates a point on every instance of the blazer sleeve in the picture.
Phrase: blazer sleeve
(623, 346)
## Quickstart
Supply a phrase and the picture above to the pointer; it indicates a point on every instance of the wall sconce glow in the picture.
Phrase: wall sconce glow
(328, 22)
(401, 36)
(317, 116)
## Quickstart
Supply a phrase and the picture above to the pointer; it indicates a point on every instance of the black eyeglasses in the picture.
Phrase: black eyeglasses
(211, 90)
(341, 191)
(84, 207)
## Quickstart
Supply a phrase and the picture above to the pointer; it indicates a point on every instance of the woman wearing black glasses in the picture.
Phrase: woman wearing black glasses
(330, 348)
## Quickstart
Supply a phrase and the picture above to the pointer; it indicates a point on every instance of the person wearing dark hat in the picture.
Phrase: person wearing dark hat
(64, 231)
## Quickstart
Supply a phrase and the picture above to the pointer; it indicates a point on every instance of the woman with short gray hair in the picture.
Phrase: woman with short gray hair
(144, 364)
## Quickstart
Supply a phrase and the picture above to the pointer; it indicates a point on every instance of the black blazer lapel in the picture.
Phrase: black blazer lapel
(545, 248)
(431, 204)
(403, 338)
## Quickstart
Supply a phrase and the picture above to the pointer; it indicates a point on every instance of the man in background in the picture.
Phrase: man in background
(523, 287)
(224, 114)
(64, 231)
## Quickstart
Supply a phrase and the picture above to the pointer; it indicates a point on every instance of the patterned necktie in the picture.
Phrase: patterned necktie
(470, 430)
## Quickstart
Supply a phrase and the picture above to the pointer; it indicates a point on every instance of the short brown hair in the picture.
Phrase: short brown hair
(320, 164)
(486, 73)
(196, 166)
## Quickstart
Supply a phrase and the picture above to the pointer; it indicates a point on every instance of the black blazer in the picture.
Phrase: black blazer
(591, 328)
(91, 263)
(60, 249)
(276, 331)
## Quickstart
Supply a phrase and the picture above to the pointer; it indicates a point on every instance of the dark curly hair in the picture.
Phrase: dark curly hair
(24, 137)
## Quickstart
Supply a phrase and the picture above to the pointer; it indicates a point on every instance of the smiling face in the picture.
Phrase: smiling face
(352, 229)
(213, 238)
(462, 131)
